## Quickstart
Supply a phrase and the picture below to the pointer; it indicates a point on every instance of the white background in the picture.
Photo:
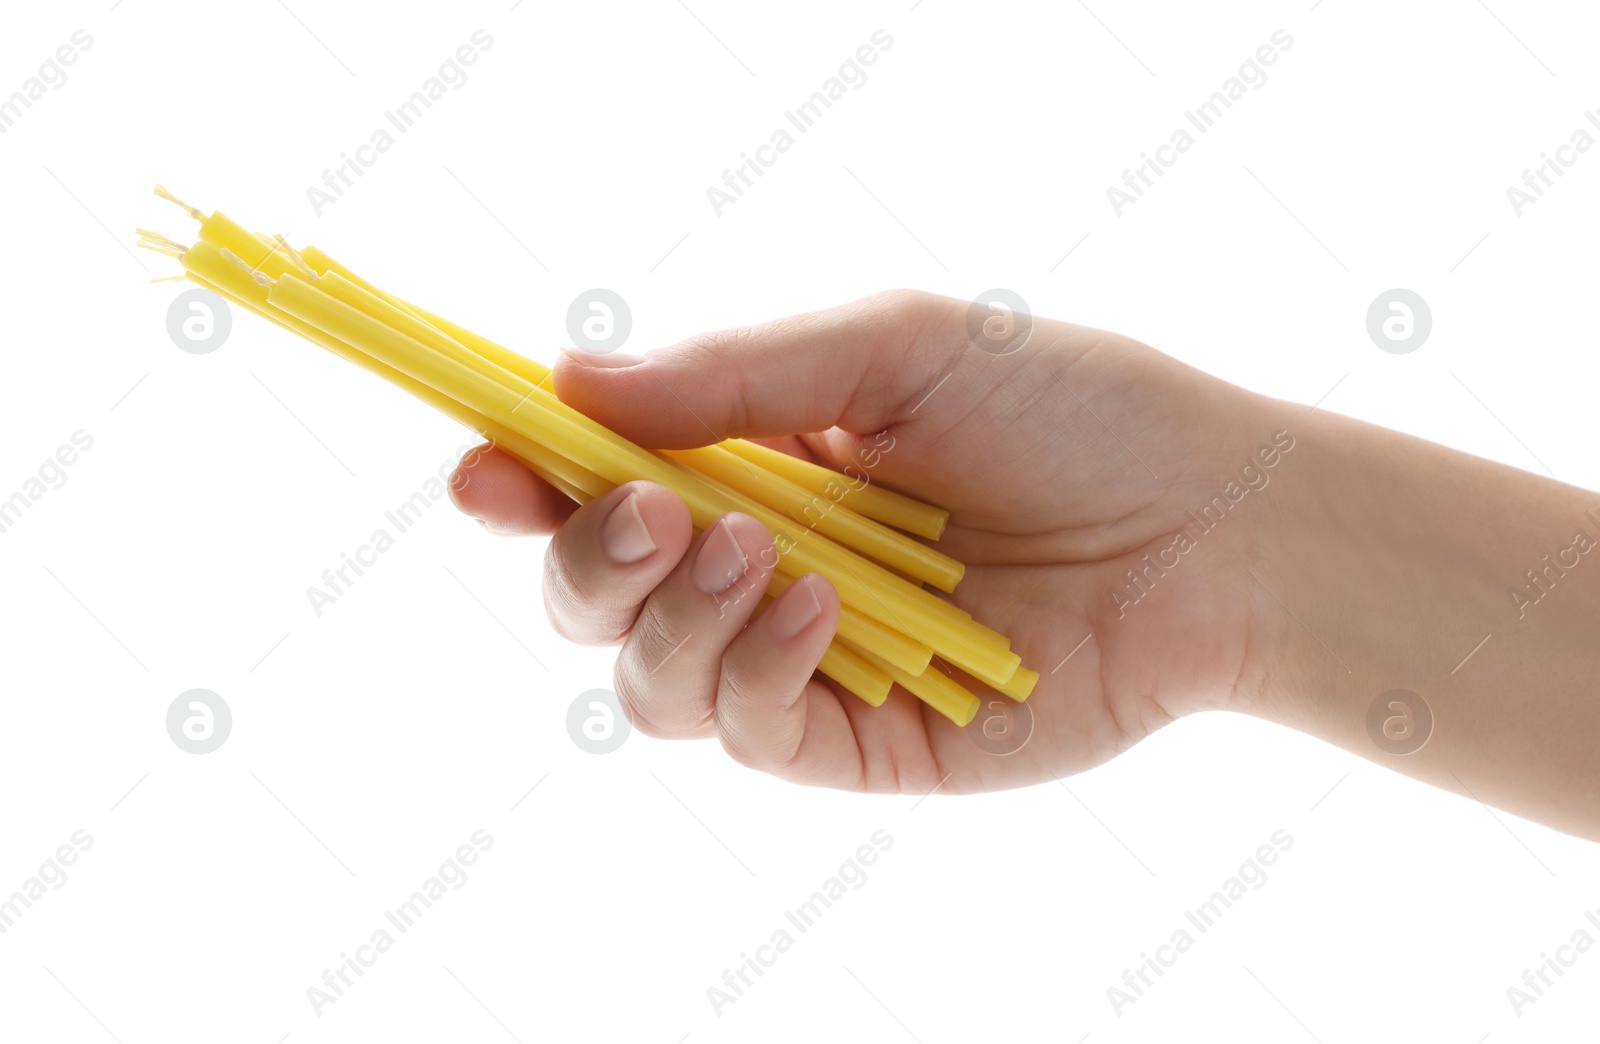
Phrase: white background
(369, 743)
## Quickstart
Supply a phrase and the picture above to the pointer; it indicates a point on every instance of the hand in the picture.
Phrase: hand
(1063, 464)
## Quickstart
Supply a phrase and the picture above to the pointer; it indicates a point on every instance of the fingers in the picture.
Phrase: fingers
(770, 714)
(495, 488)
(861, 367)
(693, 663)
(667, 672)
(604, 562)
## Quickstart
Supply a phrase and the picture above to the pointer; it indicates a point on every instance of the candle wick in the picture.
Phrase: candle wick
(159, 243)
(193, 212)
(295, 258)
(259, 276)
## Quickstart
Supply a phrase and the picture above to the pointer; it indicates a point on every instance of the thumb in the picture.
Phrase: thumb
(861, 367)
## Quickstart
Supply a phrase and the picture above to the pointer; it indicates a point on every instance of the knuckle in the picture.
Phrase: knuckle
(739, 750)
(719, 344)
(636, 703)
(903, 306)
(576, 611)
(918, 317)
(747, 732)
(654, 708)
(661, 704)
(739, 693)
(655, 638)
(714, 359)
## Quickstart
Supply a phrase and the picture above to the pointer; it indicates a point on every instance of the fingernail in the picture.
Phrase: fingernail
(720, 561)
(624, 535)
(607, 361)
(793, 611)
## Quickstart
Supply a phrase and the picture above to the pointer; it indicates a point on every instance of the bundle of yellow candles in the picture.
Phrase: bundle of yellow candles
(859, 535)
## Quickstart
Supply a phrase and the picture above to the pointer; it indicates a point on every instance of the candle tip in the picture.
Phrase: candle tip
(159, 243)
(193, 212)
(299, 262)
(261, 278)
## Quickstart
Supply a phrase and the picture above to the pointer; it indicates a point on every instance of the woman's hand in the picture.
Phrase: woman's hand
(1073, 467)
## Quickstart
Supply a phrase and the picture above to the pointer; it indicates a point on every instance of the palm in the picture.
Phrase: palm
(1054, 495)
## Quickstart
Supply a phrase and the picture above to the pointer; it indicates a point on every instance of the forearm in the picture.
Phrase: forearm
(1398, 560)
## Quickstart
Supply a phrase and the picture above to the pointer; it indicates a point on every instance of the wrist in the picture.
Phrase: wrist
(1388, 563)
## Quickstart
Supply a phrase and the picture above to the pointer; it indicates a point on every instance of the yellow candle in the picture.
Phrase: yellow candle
(870, 501)
(206, 267)
(553, 423)
(830, 518)
(890, 643)
(1020, 687)
(891, 620)
(933, 687)
(866, 497)
(894, 646)
(616, 463)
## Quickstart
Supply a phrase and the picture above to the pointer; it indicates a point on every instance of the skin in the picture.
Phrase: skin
(1356, 562)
